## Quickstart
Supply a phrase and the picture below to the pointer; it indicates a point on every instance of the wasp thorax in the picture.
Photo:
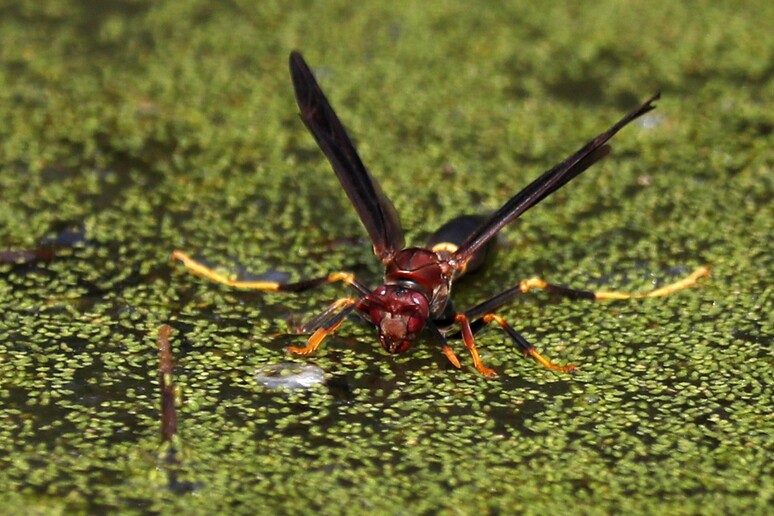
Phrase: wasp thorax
(399, 313)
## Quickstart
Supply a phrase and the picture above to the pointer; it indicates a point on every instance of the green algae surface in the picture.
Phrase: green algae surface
(132, 128)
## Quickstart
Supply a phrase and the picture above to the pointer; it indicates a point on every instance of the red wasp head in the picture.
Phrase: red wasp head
(399, 313)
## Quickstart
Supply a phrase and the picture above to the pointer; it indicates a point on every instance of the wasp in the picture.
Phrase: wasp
(415, 293)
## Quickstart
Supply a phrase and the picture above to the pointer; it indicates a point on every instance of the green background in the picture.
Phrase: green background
(131, 128)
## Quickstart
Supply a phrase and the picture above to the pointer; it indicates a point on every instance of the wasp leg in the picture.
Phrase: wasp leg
(482, 315)
(445, 348)
(272, 286)
(470, 343)
(324, 324)
(689, 281)
(526, 348)
(321, 319)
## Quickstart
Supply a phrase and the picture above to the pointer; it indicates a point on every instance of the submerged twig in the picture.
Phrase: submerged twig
(169, 441)
(167, 385)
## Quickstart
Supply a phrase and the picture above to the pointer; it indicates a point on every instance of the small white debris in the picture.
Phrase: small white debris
(288, 375)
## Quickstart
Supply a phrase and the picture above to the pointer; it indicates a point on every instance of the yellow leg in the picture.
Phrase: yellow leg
(689, 281)
(206, 272)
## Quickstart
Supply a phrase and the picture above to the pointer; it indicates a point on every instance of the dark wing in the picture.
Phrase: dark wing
(544, 186)
(374, 208)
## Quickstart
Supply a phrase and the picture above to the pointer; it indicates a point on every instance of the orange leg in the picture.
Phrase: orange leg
(445, 348)
(324, 324)
(449, 353)
(470, 343)
(525, 346)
